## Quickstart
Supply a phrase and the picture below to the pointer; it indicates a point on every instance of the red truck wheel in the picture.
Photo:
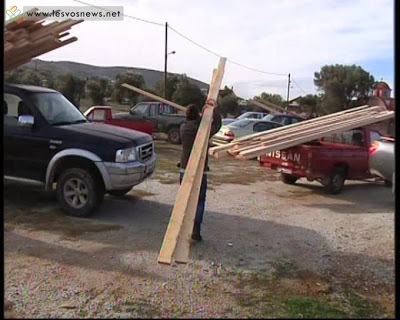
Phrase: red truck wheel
(336, 180)
(288, 178)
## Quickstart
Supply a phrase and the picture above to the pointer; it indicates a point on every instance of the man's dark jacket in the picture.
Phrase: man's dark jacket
(188, 134)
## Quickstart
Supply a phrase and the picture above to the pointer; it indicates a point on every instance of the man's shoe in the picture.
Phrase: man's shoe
(196, 237)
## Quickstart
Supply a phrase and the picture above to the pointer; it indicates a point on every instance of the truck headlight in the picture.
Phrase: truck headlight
(125, 155)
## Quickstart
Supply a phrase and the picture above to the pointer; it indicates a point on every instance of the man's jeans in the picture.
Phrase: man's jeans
(202, 202)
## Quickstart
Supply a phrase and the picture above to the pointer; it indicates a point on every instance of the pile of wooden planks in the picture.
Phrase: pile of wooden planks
(27, 39)
(258, 144)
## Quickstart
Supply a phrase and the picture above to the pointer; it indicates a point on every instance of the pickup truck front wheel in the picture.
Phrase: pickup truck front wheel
(288, 178)
(79, 192)
(336, 181)
(174, 136)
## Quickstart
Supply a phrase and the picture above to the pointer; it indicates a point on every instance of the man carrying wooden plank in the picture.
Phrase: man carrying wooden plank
(188, 133)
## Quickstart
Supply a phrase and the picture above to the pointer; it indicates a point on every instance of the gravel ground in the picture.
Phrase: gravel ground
(265, 245)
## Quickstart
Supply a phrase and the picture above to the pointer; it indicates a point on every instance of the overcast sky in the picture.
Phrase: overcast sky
(285, 36)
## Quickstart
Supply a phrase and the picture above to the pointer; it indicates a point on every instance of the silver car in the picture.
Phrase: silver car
(381, 159)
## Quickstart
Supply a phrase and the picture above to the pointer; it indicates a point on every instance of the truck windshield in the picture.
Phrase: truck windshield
(56, 109)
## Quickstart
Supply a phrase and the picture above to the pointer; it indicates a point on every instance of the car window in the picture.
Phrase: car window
(10, 109)
(99, 115)
(55, 108)
(140, 109)
(241, 123)
(374, 136)
(335, 138)
(263, 126)
(243, 116)
(269, 117)
(166, 109)
(354, 137)
(153, 110)
(294, 120)
(281, 120)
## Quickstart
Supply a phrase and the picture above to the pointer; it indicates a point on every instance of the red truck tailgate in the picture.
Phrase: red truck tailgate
(292, 160)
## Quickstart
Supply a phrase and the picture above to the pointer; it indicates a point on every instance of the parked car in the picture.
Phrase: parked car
(330, 160)
(246, 115)
(241, 128)
(47, 140)
(283, 118)
(164, 118)
(103, 114)
(381, 159)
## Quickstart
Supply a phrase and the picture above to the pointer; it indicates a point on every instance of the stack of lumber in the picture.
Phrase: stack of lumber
(27, 39)
(258, 144)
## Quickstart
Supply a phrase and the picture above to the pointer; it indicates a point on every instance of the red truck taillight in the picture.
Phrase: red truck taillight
(373, 147)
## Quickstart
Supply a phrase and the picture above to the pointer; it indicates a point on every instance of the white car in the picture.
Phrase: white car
(241, 128)
(246, 115)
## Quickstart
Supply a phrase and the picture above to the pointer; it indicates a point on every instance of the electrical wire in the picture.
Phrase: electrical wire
(188, 39)
(298, 85)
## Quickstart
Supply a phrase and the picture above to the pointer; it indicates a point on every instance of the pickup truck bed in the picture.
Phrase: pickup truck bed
(103, 114)
(330, 160)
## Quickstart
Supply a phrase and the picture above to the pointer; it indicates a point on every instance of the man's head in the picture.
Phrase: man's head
(192, 112)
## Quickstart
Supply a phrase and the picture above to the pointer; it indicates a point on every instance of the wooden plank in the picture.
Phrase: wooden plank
(183, 244)
(249, 154)
(188, 189)
(269, 104)
(263, 106)
(153, 96)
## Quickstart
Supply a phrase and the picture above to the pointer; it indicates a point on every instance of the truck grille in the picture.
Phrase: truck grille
(145, 151)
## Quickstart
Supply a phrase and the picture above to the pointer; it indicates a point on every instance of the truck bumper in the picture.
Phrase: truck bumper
(124, 175)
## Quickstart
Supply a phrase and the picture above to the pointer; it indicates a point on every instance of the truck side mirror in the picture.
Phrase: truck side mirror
(26, 121)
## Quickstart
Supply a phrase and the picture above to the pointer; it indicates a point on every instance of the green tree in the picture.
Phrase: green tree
(129, 77)
(96, 90)
(172, 83)
(26, 75)
(226, 91)
(341, 85)
(72, 87)
(187, 93)
(271, 97)
(310, 103)
(228, 104)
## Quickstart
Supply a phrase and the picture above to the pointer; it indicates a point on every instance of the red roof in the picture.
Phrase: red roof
(382, 85)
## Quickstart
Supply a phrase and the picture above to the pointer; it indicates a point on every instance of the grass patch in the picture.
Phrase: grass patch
(292, 293)
(305, 307)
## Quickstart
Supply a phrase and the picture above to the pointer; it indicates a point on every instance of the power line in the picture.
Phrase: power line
(218, 55)
(188, 39)
(125, 15)
(299, 86)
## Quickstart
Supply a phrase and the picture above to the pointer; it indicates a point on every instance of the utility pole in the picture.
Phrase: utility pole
(287, 99)
(165, 60)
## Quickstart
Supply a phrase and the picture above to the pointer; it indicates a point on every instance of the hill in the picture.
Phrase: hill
(87, 70)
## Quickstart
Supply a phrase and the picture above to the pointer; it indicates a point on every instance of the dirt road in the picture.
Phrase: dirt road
(269, 250)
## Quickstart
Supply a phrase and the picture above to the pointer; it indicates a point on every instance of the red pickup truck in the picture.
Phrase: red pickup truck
(103, 114)
(330, 160)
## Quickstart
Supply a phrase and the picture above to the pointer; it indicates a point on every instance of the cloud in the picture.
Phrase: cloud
(274, 36)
